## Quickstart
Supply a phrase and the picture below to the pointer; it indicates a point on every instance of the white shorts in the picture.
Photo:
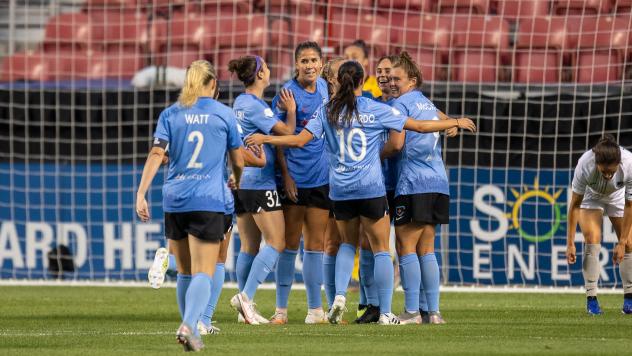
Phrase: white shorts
(611, 205)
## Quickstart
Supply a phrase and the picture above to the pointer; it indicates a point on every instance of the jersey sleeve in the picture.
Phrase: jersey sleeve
(392, 118)
(264, 118)
(162, 129)
(234, 138)
(579, 179)
(280, 114)
(315, 125)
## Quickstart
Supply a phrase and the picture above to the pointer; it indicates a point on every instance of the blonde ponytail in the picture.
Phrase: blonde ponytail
(199, 74)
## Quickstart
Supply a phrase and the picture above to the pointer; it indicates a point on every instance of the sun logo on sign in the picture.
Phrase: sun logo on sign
(538, 194)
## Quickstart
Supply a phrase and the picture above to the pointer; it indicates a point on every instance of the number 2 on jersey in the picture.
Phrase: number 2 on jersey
(199, 139)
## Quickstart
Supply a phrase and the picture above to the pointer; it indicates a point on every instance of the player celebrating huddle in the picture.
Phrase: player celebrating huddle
(353, 127)
(305, 204)
(193, 192)
(602, 185)
(258, 207)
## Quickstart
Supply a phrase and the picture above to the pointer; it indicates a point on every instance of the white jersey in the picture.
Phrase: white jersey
(587, 179)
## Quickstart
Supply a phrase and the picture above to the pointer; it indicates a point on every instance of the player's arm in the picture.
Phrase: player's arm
(449, 132)
(299, 140)
(626, 233)
(425, 126)
(254, 156)
(288, 182)
(394, 143)
(237, 164)
(154, 160)
(572, 218)
(286, 103)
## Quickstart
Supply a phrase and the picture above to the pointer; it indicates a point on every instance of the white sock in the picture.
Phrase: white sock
(625, 271)
(590, 268)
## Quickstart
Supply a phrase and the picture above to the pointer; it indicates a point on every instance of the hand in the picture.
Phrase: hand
(231, 182)
(255, 140)
(452, 132)
(142, 210)
(286, 102)
(617, 253)
(467, 124)
(256, 150)
(571, 258)
(290, 188)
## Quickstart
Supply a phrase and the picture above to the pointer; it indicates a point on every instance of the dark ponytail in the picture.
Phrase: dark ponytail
(245, 68)
(405, 61)
(342, 108)
(607, 151)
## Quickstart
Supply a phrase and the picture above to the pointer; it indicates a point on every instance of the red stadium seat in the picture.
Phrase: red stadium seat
(130, 6)
(309, 28)
(69, 31)
(182, 40)
(280, 33)
(537, 66)
(37, 66)
(292, 7)
(250, 30)
(481, 32)
(281, 65)
(623, 6)
(235, 6)
(430, 32)
(523, 9)
(419, 5)
(463, 6)
(598, 67)
(126, 31)
(546, 32)
(347, 27)
(581, 7)
(123, 65)
(430, 63)
(475, 66)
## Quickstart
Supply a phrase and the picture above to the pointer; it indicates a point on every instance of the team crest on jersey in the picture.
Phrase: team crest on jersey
(268, 112)
(399, 212)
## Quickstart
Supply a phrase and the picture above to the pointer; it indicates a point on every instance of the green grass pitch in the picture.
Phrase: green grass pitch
(132, 321)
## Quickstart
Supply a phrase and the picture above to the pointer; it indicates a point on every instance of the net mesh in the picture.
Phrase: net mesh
(83, 83)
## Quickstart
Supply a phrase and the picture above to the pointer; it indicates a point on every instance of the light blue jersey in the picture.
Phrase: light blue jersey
(307, 165)
(355, 171)
(199, 138)
(255, 116)
(229, 201)
(421, 168)
(389, 165)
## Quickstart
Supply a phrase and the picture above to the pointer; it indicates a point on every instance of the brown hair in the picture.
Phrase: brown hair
(245, 68)
(411, 68)
(327, 72)
(607, 151)
(343, 106)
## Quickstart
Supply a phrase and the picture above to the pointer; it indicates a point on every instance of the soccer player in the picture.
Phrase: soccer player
(353, 127)
(602, 185)
(422, 198)
(200, 133)
(359, 51)
(258, 205)
(305, 189)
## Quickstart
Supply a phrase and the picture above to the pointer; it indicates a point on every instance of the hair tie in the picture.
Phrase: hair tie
(259, 61)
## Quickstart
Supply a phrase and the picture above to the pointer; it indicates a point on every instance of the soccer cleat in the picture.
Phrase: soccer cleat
(207, 330)
(189, 341)
(156, 274)
(407, 318)
(245, 307)
(279, 318)
(425, 316)
(240, 319)
(592, 307)
(260, 318)
(337, 310)
(316, 316)
(435, 318)
(388, 319)
(627, 306)
(370, 315)
(361, 310)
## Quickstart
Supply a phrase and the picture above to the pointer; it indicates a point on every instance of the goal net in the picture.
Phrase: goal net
(544, 80)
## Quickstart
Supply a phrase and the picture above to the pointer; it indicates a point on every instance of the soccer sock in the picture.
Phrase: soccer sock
(625, 271)
(344, 267)
(367, 280)
(410, 276)
(182, 284)
(172, 263)
(242, 268)
(362, 298)
(383, 272)
(216, 291)
(423, 302)
(590, 268)
(313, 277)
(197, 297)
(284, 276)
(430, 277)
(261, 267)
(329, 276)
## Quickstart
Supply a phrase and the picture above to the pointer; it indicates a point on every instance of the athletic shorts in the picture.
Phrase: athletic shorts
(205, 225)
(317, 197)
(255, 201)
(611, 205)
(228, 223)
(373, 208)
(425, 208)
(390, 197)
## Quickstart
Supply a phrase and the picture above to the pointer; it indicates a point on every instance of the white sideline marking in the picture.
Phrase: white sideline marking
(300, 286)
